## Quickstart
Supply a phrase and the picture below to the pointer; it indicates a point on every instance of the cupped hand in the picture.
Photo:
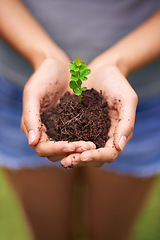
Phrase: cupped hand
(122, 101)
(43, 91)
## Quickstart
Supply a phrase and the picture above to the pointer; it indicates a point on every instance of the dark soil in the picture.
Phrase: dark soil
(75, 121)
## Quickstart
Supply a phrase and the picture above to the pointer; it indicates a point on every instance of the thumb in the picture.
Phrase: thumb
(32, 125)
(124, 129)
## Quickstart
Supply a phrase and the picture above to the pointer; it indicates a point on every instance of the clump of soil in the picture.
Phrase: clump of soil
(72, 121)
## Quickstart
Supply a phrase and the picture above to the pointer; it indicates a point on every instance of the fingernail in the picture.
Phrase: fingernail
(86, 159)
(92, 145)
(122, 142)
(31, 136)
(67, 149)
(80, 149)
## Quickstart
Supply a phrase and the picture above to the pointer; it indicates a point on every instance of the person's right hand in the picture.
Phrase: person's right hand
(122, 101)
(42, 91)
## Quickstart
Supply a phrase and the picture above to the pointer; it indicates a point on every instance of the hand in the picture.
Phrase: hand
(122, 102)
(41, 92)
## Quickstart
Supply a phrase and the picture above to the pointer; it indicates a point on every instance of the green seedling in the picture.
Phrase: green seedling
(79, 71)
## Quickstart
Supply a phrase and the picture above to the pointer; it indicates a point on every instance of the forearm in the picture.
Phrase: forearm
(24, 33)
(138, 48)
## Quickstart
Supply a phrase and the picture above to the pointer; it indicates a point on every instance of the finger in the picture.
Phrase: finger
(102, 154)
(125, 125)
(44, 138)
(23, 127)
(31, 116)
(107, 154)
(71, 161)
(82, 164)
(81, 146)
(74, 160)
(50, 148)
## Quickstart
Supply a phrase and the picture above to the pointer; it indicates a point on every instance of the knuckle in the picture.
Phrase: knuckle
(22, 127)
(114, 157)
(40, 152)
(134, 97)
(110, 161)
(130, 136)
(131, 127)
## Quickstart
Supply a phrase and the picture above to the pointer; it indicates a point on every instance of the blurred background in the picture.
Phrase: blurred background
(12, 225)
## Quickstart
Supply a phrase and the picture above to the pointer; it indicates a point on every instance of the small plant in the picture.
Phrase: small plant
(79, 71)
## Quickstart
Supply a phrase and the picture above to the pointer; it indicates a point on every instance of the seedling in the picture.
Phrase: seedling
(79, 71)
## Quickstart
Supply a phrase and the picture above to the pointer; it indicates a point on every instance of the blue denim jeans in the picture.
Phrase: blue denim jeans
(141, 156)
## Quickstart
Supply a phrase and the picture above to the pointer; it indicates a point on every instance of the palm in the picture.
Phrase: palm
(43, 91)
(52, 80)
(122, 103)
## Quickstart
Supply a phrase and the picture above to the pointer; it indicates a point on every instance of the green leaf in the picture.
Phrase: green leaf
(83, 78)
(82, 67)
(79, 71)
(75, 78)
(79, 82)
(76, 69)
(84, 88)
(72, 84)
(72, 66)
(79, 59)
(85, 72)
(77, 63)
(73, 72)
(77, 91)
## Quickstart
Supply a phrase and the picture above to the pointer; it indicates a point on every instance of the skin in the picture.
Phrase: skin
(122, 116)
(37, 100)
(49, 62)
(26, 36)
(116, 63)
(36, 46)
(47, 206)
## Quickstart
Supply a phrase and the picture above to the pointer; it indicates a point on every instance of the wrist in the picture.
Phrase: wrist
(51, 51)
(113, 57)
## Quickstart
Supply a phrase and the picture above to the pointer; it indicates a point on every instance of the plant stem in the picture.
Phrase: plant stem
(80, 98)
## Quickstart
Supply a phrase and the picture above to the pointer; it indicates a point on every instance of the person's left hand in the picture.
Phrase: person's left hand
(122, 101)
(41, 92)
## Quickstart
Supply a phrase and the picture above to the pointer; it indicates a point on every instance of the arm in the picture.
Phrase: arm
(49, 81)
(135, 50)
(25, 35)
(109, 71)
